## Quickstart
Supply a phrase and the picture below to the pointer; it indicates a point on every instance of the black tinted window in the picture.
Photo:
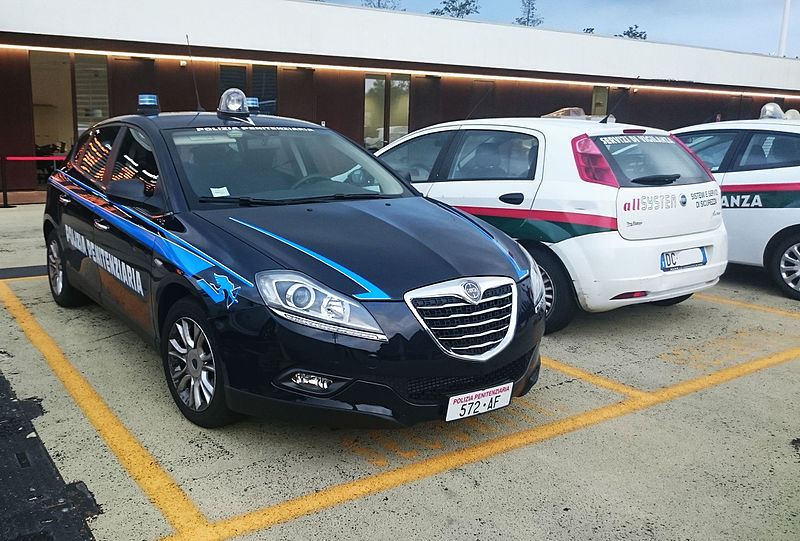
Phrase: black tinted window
(93, 156)
(768, 150)
(135, 160)
(644, 160)
(417, 156)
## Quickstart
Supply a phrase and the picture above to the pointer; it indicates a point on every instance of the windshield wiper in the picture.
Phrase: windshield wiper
(241, 201)
(657, 180)
(340, 196)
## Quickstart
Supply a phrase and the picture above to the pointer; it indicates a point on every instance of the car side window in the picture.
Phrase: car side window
(709, 147)
(93, 155)
(135, 160)
(770, 150)
(495, 155)
(418, 156)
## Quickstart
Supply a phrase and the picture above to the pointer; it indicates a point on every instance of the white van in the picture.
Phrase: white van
(613, 214)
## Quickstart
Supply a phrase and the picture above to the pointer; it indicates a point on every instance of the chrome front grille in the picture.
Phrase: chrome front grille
(469, 328)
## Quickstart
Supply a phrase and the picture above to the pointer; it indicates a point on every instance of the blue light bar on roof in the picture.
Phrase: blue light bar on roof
(148, 104)
(252, 103)
(148, 99)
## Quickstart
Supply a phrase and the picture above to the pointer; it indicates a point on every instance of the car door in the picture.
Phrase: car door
(493, 173)
(419, 157)
(125, 231)
(78, 188)
(760, 192)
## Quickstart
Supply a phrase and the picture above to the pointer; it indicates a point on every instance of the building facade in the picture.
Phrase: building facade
(372, 75)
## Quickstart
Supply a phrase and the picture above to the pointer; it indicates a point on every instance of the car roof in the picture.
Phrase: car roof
(549, 125)
(772, 124)
(169, 121)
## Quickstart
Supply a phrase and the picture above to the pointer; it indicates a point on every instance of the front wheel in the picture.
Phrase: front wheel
(193, 366)
(559, 296)
(784, 266)
(64, 293)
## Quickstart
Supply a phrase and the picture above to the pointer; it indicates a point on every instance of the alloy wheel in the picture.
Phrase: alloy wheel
(548, 289)
(191, 364)
(54, 270)
(790, 266)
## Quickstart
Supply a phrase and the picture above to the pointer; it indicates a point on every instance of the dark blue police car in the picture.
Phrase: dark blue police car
(272, 262)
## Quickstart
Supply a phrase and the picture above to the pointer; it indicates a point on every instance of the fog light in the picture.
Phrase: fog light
(630, 295)
(311, 380)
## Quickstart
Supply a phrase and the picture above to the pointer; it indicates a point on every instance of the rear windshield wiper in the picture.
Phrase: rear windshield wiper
(241, 201)
(656, 180)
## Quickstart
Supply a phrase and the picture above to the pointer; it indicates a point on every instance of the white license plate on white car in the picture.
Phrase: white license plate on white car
(681, 259)
(477, 402)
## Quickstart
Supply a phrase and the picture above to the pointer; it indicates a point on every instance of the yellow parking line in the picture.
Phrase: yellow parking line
(594, 379)
(24, 278)
(325, 499)
(749, 306)
(156, 483)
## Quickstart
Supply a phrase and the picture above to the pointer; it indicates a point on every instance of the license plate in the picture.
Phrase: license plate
(477, 402)
(681, 259)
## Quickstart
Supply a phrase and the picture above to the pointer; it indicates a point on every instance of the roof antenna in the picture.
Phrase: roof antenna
(625, 93)
(194, 79)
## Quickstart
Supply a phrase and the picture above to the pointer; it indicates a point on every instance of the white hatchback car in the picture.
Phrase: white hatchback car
(613, 214)
(757, 164)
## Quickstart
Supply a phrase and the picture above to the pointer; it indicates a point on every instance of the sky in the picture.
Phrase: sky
(750, 26)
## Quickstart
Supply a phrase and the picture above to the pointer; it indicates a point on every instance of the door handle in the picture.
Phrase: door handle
(515, 198)
(64, 200)
(101, 225)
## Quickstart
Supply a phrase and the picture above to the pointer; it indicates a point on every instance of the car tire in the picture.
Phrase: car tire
(783, 266)
(64, 293)
(560, 302)
(673, 301)
(193, 365)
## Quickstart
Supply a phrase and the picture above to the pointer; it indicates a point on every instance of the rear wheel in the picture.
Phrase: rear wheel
(193, 366)
(63, 292)
(559, 296)
(783, 266)
(672, 301)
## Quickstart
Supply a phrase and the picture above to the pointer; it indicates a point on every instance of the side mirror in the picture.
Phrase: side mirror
(131, 191)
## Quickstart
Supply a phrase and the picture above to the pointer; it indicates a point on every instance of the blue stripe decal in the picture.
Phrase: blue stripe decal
(187, 257)
(520, 273)
(373, 292)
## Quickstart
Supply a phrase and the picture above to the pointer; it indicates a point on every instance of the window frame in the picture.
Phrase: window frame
(457, 143)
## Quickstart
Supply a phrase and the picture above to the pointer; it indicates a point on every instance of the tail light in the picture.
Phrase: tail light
(695, 156)
(592, 165)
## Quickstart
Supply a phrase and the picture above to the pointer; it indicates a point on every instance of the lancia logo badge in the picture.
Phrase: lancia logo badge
(472, 290)
(683, 200)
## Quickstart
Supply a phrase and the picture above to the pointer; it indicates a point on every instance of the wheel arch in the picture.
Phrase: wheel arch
(777, 238)
(168, 296)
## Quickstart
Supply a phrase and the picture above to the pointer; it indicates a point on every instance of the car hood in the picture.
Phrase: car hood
(373, 249)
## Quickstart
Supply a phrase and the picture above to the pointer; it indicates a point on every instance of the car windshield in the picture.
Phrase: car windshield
(650, 160)
(276, 165)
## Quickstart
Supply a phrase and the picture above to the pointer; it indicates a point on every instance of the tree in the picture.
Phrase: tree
(588, 30)
(457, 8)
(381, 4)
(529, 16)
(633, 32)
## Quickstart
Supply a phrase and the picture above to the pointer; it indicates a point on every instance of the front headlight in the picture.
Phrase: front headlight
(537, 284)
(298, 298)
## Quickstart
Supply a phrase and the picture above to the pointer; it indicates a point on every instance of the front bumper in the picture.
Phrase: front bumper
(403, 381)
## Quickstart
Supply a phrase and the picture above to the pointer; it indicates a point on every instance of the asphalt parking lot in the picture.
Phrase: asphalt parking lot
(647, 423)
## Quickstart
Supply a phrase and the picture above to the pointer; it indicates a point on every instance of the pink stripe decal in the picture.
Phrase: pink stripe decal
(605, 222)
(788, 187)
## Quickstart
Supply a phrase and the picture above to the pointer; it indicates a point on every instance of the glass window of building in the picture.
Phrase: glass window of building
(91, 90)
(374, 111)
(232, 77)
(265, 88)
(398, 106)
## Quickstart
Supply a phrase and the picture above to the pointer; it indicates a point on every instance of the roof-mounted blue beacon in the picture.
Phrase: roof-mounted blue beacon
(148, 105)
(253, 106)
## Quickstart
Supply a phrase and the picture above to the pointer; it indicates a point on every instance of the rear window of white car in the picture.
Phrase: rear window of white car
(650, 160)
